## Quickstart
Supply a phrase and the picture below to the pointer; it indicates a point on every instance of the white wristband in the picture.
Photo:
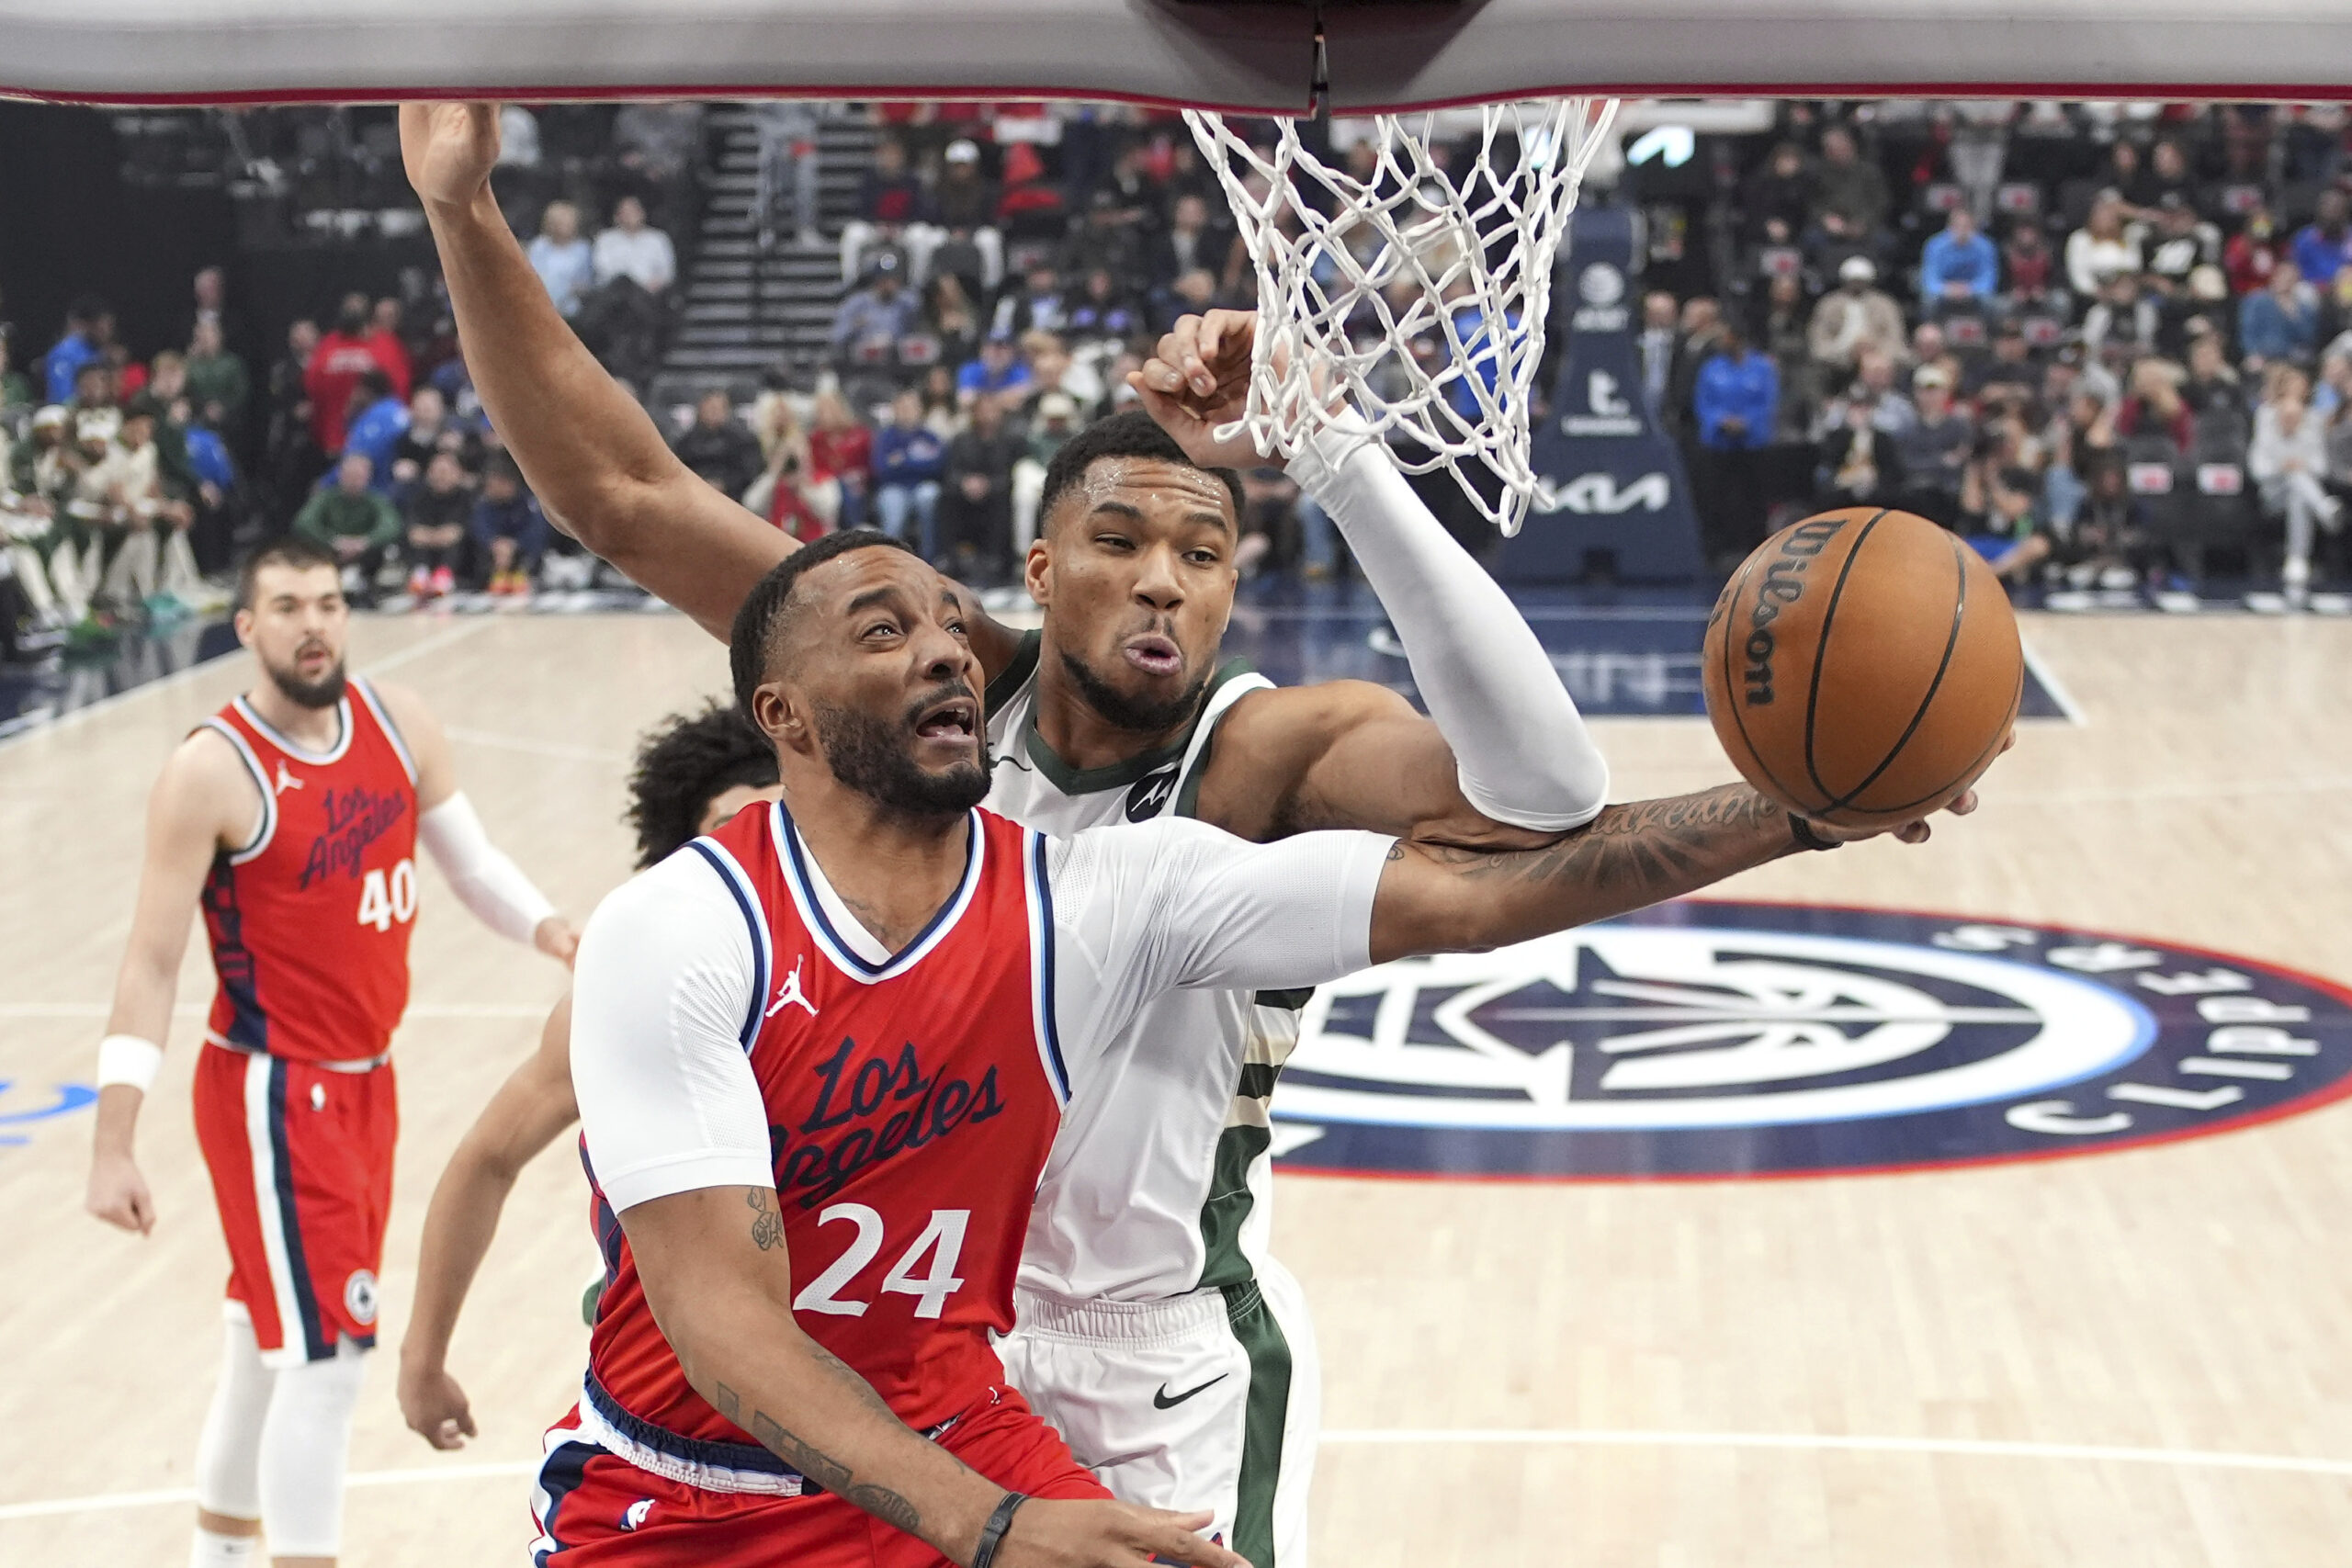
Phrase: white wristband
(126, 1060)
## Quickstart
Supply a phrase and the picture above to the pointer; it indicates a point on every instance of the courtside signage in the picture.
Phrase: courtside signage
(1707, 1039)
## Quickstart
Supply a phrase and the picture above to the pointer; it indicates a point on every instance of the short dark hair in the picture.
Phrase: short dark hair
(684, 764)
(293, 551)
(762, 613)
(1131, 433)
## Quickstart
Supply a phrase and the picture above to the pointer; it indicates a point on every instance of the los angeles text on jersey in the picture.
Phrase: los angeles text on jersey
(1719, 1039)
(870, 1108)
(356, 818)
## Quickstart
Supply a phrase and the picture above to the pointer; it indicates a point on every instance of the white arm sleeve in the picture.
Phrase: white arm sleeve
(662, 987)
(1172, 902)
(1522, 753)
(485, 880)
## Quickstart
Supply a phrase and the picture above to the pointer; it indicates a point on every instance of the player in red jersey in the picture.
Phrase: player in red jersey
(820, 1060)
(292, 817)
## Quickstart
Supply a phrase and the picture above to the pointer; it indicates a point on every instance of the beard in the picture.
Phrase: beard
(869, 754)
(1138, 716)
(322, 692)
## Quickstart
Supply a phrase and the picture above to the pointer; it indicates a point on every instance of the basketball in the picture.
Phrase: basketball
(1862, 666)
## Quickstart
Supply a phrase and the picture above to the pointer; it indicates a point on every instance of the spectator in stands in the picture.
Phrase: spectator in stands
(717, 448)
(2288, 461)
(1978, 144)
(392, 349)
(952, 318)
(1859, 464)
(1039, 306)
(2101, 249)
(1736, 406)
(1030, 204)
(1052, 368)
(1855, 317)
(2030, 271)
(374, 425)
(90, 327)
(940, 409)
(1104, 309)
(510, 531)
(2008, 373)
(2253, 253)
(16, 388)
(1874, 377)
(839, 444)
(792, 491)
(1190, 242)
(1055, 420)
(342, 357)
(908, 458)
(870, 321)
(2122, 318)
(211, 290)
(1195, 294)
(633, 249)
(2155, 406)
(2212, 388)
(565, 263)
(1656, 342)
(966, 204)
(437, 514)
(352, 518)
(218, 387)
(1934, 452)
(2281, 321)
(430, 431)
(1782, 189)
(2322, 246)
(2176, 246)
(656, 144)
(1959, 269)
(1780, 334)
(998, 368)
(892, 208)
(1702, 330)
(1851, 205)
(787, 173)
(975, 494)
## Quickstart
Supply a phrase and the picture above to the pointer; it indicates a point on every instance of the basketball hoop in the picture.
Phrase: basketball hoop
(1420, 292)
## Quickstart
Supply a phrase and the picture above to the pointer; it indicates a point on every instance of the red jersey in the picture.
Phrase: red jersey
(310, 920)
(911, 1106)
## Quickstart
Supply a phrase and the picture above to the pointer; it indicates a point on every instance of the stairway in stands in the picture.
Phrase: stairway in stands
(743, 311)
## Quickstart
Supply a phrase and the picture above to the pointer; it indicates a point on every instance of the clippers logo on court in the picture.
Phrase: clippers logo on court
(1708, 1038)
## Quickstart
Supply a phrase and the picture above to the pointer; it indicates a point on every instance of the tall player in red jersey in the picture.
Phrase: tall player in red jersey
(821, 1053)
(292, 817)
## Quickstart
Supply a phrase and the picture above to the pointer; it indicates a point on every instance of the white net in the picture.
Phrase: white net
(1419, 277)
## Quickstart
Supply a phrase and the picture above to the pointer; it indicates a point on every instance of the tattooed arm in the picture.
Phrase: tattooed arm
(1436, 899)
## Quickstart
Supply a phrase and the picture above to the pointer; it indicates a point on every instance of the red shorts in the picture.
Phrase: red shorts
(301, 1164)
(594, 1509)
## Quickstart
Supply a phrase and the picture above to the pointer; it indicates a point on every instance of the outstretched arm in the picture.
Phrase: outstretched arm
(530, 1108)
(1506, 749)
(592, 455)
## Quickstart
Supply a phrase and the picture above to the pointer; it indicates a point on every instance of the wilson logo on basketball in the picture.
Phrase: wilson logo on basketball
(1783, 584)
(1730, 1040)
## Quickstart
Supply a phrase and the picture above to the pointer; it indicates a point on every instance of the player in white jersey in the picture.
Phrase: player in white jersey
(1155, 1332)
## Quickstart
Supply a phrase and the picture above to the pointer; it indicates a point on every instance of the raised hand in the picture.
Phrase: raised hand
(1911, 832)
(449, 150)
(1197, 379)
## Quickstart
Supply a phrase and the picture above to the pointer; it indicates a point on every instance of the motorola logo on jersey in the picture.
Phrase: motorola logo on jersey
(1708, 1038)
(1150, 793)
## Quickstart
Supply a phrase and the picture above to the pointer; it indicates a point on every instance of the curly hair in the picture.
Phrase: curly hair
(686, 762)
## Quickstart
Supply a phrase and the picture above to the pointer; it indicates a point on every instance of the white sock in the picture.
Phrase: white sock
(228, 1453)
(213, 1551)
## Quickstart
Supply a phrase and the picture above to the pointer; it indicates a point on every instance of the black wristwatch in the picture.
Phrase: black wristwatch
(992, 1533)
(1803, 833)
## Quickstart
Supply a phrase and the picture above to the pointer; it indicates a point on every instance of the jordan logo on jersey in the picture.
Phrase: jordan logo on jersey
(285, 781)
(789, 994)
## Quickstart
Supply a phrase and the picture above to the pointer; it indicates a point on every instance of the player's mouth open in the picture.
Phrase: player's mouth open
(957, 721)
(1154, 655)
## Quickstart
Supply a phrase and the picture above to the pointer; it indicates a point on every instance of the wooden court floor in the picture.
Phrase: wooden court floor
(2063, 1362)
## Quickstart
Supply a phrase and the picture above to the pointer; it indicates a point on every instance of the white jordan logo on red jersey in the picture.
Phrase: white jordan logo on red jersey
(285, 781)
(789, 994)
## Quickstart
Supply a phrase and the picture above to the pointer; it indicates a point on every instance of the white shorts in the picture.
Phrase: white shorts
(1211, 1400)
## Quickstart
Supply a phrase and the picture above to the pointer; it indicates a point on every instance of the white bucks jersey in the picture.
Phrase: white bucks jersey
(1159, 1179)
